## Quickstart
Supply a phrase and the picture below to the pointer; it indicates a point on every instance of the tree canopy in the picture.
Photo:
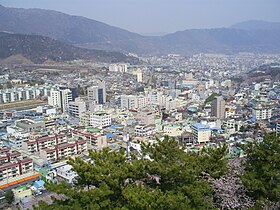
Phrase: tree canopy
(9, 196)
(262, 168)
(165, 177)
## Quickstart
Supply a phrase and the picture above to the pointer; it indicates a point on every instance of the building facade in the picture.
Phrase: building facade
(77, 108)
(134, 102)
(64, 150)
(60, 99)
(14, 168)
(97, 93)
(100, 119)
(261, 113)
(118, 67)
(218, 107)
(201, 133)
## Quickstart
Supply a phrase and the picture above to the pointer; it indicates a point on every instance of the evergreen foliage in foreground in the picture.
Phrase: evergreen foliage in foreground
(165, 178)
(168, 178)
(262, 169)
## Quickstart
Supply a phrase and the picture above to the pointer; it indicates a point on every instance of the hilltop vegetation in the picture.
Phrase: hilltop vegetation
(173, 179)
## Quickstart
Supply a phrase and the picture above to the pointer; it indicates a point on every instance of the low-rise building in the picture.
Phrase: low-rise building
(229, 111)
(38, 144)
(77, 107)
(47, 110)
(144, 130)
(15, 168)
(64, 150)
(172, 129)
(201, 133)
(96, 119)
(146, 117)
(66, 173)
(262, 113)
(30, 125)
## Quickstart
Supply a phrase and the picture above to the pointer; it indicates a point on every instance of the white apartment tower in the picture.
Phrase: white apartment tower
(98, 92)
(139, 75)
(60, 99)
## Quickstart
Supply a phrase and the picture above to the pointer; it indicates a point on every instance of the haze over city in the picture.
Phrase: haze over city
(159, 17)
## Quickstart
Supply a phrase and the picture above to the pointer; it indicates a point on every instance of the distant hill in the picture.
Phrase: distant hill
(67, 28)
(15, 60)
(83, 32)
(222, 40)
(39, 49)
(257, 25)
(268, 70)
(259, 74)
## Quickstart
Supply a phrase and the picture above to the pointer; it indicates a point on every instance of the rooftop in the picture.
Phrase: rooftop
(200, 126)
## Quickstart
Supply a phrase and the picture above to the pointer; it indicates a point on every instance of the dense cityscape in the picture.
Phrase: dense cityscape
(94, 116)
(52, 112)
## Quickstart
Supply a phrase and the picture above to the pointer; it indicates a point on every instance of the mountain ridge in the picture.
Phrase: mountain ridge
(39, 49)
(256, 25)
(87, 33)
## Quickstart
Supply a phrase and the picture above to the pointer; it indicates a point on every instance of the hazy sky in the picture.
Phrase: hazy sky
(153, 16)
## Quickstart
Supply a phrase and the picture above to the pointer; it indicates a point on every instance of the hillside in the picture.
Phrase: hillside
(71, 29)
(39, 49)
(222, 40)
(259, 74)
(252, 36)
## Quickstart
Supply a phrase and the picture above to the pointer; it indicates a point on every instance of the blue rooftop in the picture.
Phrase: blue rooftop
(39, 184)
(116, 126)
(252, 119)
(110, 135)
(200, 126)
(3, 133)
(60, 122)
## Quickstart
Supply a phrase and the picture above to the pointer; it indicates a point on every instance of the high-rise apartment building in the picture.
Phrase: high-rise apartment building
(218, 107)
(60, 98)
(139, 75)
(97, 93)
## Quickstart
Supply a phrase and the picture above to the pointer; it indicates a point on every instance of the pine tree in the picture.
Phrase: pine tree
(262, 168)
(166, 177)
